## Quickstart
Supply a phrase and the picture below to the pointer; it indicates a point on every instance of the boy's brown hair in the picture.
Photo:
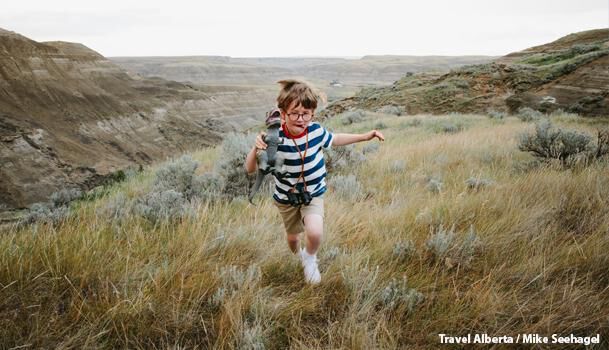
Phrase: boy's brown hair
(301, 92)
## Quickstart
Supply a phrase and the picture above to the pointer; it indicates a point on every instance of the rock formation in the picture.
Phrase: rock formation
(571, 73)
(71, 118)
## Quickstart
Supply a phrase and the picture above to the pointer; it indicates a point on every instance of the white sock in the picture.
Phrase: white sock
(307, 255)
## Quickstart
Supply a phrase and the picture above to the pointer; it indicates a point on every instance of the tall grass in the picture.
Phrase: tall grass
(224, 278)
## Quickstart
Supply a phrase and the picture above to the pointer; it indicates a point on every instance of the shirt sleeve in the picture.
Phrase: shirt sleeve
(328, 137)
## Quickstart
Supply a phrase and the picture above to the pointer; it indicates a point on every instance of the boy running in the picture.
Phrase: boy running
(299, 195)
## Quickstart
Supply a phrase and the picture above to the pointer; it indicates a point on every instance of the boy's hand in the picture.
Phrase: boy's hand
(260, 144)
(374, 133)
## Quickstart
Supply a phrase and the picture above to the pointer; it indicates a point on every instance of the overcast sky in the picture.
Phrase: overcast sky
(277, 28)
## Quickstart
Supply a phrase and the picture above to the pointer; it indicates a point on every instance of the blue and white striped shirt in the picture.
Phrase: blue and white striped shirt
(314, 166)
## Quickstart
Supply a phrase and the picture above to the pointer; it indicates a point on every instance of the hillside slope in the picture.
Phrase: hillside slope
(71, 118)
(571, 73)
(432, 232)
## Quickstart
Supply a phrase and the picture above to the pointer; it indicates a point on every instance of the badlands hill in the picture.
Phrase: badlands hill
(71, 118)
(351, 73)
(571, 73)
(234, 70)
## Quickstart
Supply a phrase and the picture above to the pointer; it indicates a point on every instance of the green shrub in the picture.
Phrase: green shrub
(160, 206)
(352, 117)
(230, 167)
(45, 213)
(391, 109)
(444, 246)
(176, 175)
(370, 148)
(414, 122)
(380, 125)
(397, 294)
(548, 142)
(65, 196)
(251, 336)
(233, 279)
(208, 186)
(440, 242)
(53, 211)
(331, 253)
(117, 208)
(339, 158)
(403, 250)
(527, 114)
(475, 183)
(565, 116)
(587, 104)
(434, 185)
(347, 187)
(445, 126)
(497, 115)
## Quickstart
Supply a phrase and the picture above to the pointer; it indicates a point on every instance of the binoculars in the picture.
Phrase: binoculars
(299, 198)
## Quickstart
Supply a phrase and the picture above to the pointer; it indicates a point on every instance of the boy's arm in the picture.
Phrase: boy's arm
(347, 139)
(251, 165)
(250, 161)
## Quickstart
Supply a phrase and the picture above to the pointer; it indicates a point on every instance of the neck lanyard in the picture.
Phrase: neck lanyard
(302, 157)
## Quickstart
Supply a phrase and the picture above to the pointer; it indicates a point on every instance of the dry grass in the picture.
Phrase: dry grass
(225, 278)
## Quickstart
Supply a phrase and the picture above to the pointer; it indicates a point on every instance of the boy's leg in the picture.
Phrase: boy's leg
(292, 223)
(313, 219)
(294, 242)
(314, 229)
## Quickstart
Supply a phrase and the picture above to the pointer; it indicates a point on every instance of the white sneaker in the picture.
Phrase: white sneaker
(301, 256)
(311, 271)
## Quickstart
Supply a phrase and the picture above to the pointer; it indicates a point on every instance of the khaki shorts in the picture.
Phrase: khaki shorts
(293, 217)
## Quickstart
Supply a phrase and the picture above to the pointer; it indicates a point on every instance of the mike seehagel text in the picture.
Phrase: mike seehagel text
(527, 338)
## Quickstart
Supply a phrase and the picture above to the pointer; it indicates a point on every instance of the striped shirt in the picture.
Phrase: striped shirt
(314, 166)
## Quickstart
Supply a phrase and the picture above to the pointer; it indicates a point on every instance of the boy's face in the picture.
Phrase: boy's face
(297, 118)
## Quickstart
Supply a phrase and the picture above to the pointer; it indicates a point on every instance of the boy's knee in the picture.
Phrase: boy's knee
(314, 223)
(314, 231)
(293, 237)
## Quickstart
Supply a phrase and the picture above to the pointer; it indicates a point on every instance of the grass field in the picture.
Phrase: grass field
(410, 251)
